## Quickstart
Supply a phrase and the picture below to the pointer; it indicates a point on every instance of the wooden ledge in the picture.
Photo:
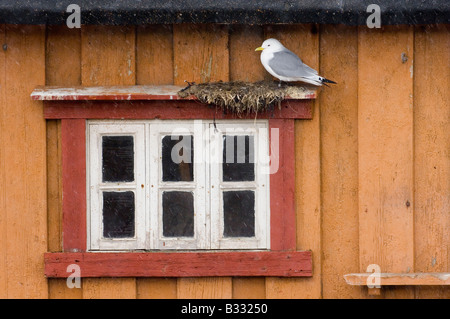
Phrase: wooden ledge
(181, 264)
(400, 279)
(149, 102)
(124, 93)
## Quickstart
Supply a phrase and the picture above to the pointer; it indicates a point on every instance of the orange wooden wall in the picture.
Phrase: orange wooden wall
(372, 167)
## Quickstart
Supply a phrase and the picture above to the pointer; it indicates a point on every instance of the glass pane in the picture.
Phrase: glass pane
(177, 158)
(178, 214)
(239, 213)
(238, 158)
(118, 214)
(118, 159)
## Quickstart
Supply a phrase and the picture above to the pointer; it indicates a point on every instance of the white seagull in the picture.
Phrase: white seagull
(286, 65)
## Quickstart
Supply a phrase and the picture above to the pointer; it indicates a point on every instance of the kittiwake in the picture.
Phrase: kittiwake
(286, 65)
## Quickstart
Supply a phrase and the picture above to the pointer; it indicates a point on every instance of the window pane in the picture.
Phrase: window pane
(177, 158)
(118, 159)
(118, 214)
(178, 214)
(239, 213)
(238, 158)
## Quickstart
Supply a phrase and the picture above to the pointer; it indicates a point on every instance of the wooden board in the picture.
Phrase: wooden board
(200, 53)
(385, 150)
(179, 264)
(131, 93)
(24, 172)
(154, 55)
(339, 159)
(394, 279)
(108, 55)
(245, 64)
(431, 154)
(3, 216)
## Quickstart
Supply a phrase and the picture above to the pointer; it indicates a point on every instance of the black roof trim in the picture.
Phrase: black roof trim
(138, 12)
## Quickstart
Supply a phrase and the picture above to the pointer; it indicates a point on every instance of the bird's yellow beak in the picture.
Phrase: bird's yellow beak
(259, 49)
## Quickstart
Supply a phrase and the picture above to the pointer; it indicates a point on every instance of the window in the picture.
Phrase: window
(192, 184)
(109, 163)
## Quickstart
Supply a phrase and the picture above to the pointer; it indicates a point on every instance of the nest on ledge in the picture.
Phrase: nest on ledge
(239, 97)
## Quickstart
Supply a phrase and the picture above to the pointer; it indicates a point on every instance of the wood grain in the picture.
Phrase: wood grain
(431, 154)
(339, 159)
(182, 264)
(245, 64)
(23, 144)
(385, 150)
(200, 53)
(107, 55)
(3, 134)
(154, 55)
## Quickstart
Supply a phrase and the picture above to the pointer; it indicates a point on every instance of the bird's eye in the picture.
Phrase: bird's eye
(268, 45)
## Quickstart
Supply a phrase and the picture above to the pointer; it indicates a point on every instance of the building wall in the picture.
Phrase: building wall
(372, 166)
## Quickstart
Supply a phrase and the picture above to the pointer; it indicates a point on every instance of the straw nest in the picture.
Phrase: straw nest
(241, 97)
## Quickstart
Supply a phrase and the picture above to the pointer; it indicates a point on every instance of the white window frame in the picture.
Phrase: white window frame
(148, 186)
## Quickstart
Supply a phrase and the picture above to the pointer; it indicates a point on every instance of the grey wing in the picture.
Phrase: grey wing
(287, 63)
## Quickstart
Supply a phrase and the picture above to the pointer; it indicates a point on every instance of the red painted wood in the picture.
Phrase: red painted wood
(282, 187)
(186, 109)
(73, 136)
(181, 264)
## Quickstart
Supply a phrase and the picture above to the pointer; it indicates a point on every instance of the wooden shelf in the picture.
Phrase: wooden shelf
(125, 93)
(401, 279)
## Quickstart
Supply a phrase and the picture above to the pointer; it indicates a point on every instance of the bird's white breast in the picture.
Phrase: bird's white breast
(266, 56)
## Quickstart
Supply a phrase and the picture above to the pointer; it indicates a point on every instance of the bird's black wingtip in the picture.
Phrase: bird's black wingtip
(327, 81)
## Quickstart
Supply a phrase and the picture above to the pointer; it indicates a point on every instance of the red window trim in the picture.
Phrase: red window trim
(281, 260)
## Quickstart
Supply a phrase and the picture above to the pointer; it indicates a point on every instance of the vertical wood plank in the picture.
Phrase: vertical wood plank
(432, 154)
(156, 288)
(282, 185)
(154, 55)
(201, 54)
(385, 143)
(339, 160)
(108, 55)
(245, 64)
(109, 288)
(25, 166)
(74, 190)
(204, 288)
(54, 186)
(3, 211)
(304, 41)
(63, 56)
(154, 66)
(249, 288)
(108, 58)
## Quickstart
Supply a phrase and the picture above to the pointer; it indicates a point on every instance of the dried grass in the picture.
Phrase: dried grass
(241, 97)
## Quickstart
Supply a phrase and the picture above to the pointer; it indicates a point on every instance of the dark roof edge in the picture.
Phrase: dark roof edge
(135, 12)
